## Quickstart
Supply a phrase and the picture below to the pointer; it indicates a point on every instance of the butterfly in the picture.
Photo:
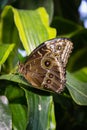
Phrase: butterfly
(45, 66)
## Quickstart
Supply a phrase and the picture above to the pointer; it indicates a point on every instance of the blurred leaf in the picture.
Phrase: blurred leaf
(19, 116)
(69, 29)
(77, 89)
(81, 74)
(5, 50)
(80, 39)
(5, 114)
(67, 11)
(13, 92)
(40, 111)
(66, 27)
(78, 60)
(3, 3)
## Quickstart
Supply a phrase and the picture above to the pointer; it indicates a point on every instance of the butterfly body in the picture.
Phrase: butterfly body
(45, 66)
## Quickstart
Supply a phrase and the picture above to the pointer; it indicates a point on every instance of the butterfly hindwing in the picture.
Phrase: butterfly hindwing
(45, 66)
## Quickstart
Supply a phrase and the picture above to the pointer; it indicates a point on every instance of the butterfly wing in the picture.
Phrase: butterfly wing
(62, 48)
(31, 69)
(45, 65)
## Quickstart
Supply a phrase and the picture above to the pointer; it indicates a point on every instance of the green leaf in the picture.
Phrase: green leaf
(5, 114)
(41, 112)
(77, 89)
(14, 78)
(8, 30)
(13, 92)
(19, 114)
(36, 29)
(5, 50)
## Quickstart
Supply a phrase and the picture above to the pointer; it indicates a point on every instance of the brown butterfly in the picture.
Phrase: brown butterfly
(45, 66)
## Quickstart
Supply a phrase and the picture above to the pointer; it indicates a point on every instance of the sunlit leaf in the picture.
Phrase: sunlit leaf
(5, 50)
(36, 29)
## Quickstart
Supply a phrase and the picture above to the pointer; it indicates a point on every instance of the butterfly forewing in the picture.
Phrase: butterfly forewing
(45, 66)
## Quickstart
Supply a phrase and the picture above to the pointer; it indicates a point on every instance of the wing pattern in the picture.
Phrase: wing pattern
(45, 66)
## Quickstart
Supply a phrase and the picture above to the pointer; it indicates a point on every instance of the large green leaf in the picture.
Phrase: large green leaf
(40, 108)
(35, 30)
(5, 114)
(77, 89)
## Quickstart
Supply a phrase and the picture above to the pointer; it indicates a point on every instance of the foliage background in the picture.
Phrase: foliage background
(70, 106)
